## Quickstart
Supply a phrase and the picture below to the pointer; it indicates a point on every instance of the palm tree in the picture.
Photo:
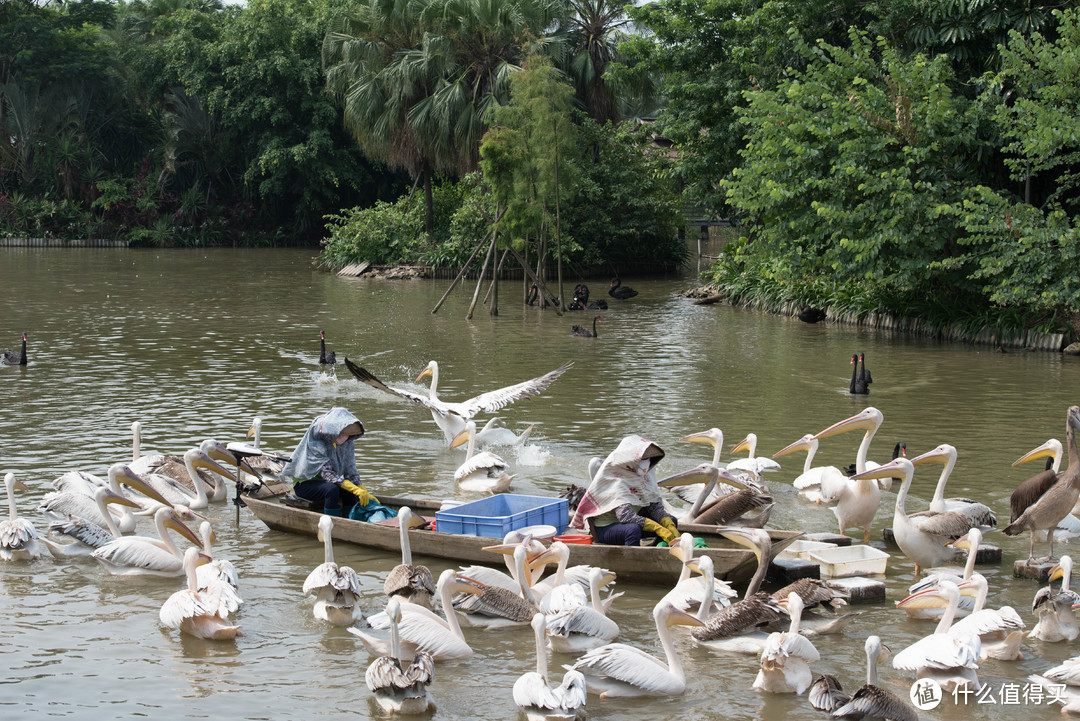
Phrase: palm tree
(595, 28)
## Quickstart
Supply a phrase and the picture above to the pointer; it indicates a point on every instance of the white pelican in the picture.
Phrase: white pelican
(336, 588)
(86, 535)
(1057, 620)
(491, 577)
(409, 583)
(76, 500)
(620, 670)
(869, 419)
(924, 538)
(1043, 502)
(495, 607)
(689, 591)
(495, 433)
(813, 592)
(134, 555)
(421, 629)
(217, 575)
(1061, 684)
(451, 417)
(971, 542)
(537, 698)
(178, 493)
(483, 472)
(856, 500)
(734, 627)
(999, 631)
(810, 481)
(268, 463)
(977, 513)
(18, 539)
(871, 701)
(950, 660)
(753, 465)
(697, 485)
(397, 690)
(585, 627)
(203, 614)
(786, 658)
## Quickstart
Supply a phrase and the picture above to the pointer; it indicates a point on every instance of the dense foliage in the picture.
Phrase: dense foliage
(907, 157)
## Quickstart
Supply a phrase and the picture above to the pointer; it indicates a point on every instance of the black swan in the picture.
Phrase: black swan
(534, 295)
(12, 358)
(619, 291)
(583, 332)
(811, 315)
(864, 375)
(858, 384)
(326, 359)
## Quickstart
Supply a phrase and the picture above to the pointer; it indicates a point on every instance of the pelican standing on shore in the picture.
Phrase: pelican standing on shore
(1046, 506)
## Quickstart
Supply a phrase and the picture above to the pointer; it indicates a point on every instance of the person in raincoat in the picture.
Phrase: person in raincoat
(323, 466)
(623, 501)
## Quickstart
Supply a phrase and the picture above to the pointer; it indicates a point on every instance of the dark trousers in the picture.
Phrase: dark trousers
(324, 494)
(619, 534)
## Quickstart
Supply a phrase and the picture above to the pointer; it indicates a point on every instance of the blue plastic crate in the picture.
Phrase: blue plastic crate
(496, 516)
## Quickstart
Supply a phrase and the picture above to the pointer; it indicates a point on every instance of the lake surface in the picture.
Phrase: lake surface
(195, 343)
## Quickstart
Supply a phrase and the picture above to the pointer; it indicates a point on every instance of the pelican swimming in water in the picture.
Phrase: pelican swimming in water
(970, 542)
(810, 481)
(136, 555)
(75, 498)
(734, 627)
(482, 472)
(177, 493)
(203, 614)
(924, 538)
(451, 417)
(786, 658)
(409, 583)
(495, 607)
(495, 433)
(400, 690)
(336, 588)
(689, 591)
(1057, 618)
(753, 465)
(952, 660)
(977, 513)
(620, 670)
(18, 539)
(85, 536)
(421, 629)
(1046, 501)
(217, 575)
(538, 699)
(268, 463)
(870, 701)
(584, 627)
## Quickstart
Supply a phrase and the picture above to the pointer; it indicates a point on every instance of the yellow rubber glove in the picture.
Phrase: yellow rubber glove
(359, 491)
(669, 523)
(653, 527)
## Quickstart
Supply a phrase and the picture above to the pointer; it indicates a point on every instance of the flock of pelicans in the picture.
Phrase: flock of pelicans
(421, 625)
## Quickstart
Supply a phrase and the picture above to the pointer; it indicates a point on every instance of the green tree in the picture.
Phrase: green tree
(527, 158)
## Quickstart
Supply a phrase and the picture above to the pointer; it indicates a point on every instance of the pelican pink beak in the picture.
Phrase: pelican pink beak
(864, 420)
(803, 444)
(938, 455)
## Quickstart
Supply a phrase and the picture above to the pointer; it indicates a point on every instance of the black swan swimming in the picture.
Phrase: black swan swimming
(858, 384)
(13, 358)
(811, 315)
(584, 332)
(619, 291)
(326, 359)
(864, 375)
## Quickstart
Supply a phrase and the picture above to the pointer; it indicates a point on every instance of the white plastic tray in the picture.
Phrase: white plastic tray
(843, 561)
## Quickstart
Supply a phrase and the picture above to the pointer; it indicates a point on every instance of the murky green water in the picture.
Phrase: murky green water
(195, 343)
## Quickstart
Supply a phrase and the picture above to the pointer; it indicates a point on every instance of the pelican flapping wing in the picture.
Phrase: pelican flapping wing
(365, 376)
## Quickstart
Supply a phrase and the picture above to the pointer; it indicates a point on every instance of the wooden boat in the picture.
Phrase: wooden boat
(637, 564)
